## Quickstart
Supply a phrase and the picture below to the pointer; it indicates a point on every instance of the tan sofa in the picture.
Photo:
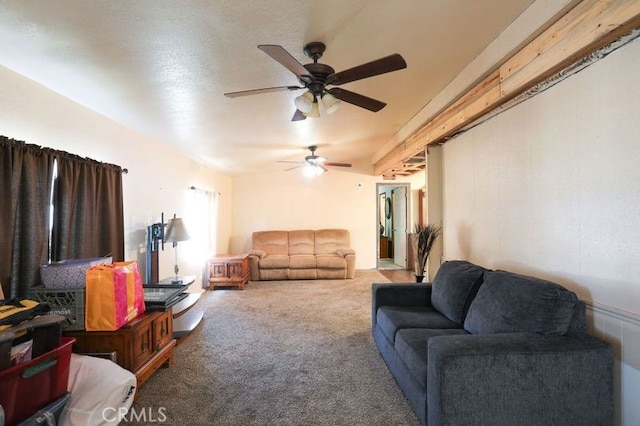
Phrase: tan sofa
(301, 255)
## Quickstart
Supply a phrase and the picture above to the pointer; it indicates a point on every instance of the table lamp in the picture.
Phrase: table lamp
(176, 231)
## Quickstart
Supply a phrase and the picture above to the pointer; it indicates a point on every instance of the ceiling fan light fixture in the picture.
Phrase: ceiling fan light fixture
(312, 170)
(315, 111)
(331, 103)
(304, 102)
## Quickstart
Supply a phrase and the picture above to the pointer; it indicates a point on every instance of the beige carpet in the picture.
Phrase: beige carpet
(280, 353)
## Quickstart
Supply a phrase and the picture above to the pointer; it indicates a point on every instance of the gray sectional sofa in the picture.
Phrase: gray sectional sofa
(482, 347)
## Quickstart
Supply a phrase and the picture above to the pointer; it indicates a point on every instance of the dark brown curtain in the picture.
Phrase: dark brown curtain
(88, 214)
(25, 191)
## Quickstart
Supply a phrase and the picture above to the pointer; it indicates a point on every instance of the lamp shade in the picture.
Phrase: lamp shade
(315, 111)
(330, 102)
(176, 231)
(304, 102)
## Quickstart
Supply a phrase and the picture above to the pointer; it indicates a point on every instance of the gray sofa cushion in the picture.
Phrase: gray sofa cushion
(454, 287)
(412, 346)
(509, 302)
(390, 319)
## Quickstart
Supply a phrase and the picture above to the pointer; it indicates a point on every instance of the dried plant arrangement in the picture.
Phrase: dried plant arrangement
(425, 236)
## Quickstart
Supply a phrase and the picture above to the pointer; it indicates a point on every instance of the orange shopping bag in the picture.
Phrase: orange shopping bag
(135, 292)
(105, 298)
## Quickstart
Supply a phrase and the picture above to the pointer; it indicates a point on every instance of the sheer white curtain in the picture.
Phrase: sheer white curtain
(202, 222)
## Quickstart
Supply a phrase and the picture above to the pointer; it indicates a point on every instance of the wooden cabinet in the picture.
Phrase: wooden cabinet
(142, 346)
(185, 319)
(228, 270)
(384, 247)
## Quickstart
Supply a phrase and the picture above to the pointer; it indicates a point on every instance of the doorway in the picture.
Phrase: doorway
(393, 219)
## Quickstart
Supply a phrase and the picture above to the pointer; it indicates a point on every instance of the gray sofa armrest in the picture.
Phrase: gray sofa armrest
(399, 295)
(516, 378)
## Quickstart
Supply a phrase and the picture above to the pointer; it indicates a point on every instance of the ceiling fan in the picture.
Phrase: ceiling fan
(315, 163)
(315, 77)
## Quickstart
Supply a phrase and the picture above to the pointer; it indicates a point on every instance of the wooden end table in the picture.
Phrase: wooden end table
(229, 270)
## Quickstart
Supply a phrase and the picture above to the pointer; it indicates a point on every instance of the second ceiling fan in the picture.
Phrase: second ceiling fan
(315, 163)
(315, 77)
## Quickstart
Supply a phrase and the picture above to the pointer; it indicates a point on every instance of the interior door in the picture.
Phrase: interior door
(399, 208)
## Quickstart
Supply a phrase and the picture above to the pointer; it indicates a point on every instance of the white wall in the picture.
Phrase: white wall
(158, 177)
(551, 188)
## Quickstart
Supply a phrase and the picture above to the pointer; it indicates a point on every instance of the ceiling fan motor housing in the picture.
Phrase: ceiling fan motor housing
(320, 73)
(313, 158)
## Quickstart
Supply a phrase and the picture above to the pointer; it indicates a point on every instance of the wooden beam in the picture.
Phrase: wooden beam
(478, 101)
(589, 26)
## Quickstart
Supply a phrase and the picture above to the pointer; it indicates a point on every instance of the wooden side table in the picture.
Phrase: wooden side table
(228, 270)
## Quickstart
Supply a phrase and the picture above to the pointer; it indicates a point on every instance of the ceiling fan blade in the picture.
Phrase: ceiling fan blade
(357, 99)
(293, 162)
(336, 164)
(292, 168)
(281, 55)
(379, 66)
(259, 91)
(298, 116)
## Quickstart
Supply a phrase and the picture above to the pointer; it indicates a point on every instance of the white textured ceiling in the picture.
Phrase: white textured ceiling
(161, 67)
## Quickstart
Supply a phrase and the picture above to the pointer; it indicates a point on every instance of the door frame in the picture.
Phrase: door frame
(387, 187)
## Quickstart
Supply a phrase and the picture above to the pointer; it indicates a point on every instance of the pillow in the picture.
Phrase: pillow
(509, 302)
(454, 286)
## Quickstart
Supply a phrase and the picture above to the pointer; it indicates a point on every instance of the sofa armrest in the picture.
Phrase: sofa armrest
(254, 266)
(509, 377)
(398, 295)
(349, 256)
(344, 252)
(258, 253)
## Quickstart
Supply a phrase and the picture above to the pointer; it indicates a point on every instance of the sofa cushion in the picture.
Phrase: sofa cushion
(509, 302)
(412, 348)
(301, 242)
(271, 242)
(302, 262)
(327, 241)
(454, 287)
(274, 262)
(390, 319)
(330, 261)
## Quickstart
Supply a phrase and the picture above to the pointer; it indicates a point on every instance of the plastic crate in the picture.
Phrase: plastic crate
(30, 386)
(44, 331)
(49, 414)
(68, 302)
